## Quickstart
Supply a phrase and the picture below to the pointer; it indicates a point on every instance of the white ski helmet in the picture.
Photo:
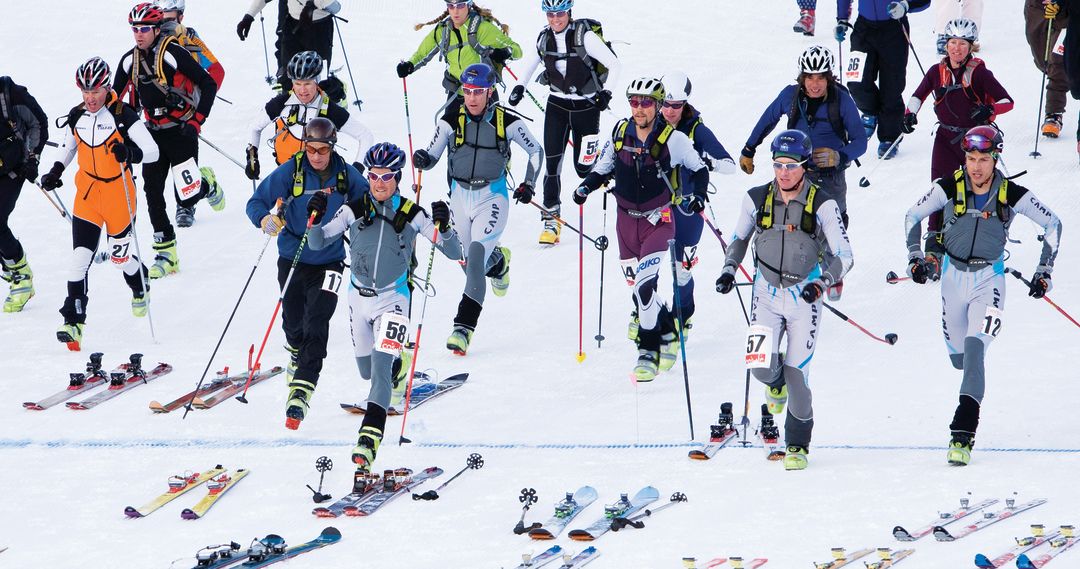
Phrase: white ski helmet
(961, 28)
(171, 5)
(678, 86)
(817, 59)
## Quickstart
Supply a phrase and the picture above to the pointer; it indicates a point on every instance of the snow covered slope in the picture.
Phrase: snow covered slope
(540, 418)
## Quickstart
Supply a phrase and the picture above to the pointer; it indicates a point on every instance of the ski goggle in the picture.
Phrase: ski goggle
(787, 166)
(320, 150)
(642, 102)
(474, 91)
(674, 104)
(978, 142)
(142, 29)
(559, 14)
(373, 177)
(457, 5)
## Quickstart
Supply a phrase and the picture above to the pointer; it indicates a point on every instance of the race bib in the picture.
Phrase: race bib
(589, 150)
(119, 249)
(629, 268)
(1059, 46)
(391, 333)
(758, 346)
(992, 321)
(855, 65)
(332, 282)
(187, 179)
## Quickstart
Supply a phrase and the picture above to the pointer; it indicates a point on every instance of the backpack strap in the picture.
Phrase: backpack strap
(833, 109)
(618, 137)
(808, 221)
(298, 175)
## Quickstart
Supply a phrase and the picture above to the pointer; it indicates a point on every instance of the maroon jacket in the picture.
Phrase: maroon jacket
(958, 91)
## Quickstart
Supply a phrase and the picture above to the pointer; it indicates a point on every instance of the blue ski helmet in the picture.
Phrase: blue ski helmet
(385, 155)
(556, 5)
(794, 144)
(478, 76)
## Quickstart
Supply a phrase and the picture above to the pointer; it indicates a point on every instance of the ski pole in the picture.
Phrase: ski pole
(840, 58)
(416, 347)
(892, 278)
(222, 152)
(682, 337)
(528, 498)
(600, 319)
(61, 208)
(228, 323)
(1020, 276)
(277, 308)
(138, 249)
(864, 182)
(474, 462)
(580, 284)
(345, 52)
(527, 91)
(635, 521)
(266, 56)
(907, 37)
(408, 128)
(1042, 89)
(889, 338)
(601, 243)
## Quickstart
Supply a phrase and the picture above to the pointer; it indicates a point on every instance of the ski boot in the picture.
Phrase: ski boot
(634, 328)
(552, 228)
(806, 23)
(684, 328)
(500, 283)
(960, 448)
(300, 392)
(367, 444)
(648, 365)
(869, 123)
(22, 284)
(401, 377)
(294, 357)
(140, 304)
(669, 350)
(185, 216)
(215, 196)
(887, 149)
(776, 398)
(795, 459)
(1051, 127)
(71, 334)
(166, 261)
(459, 339)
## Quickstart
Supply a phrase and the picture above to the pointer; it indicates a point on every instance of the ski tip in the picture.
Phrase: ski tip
(901, 534)
(541, 534)
(581, 536)
(331, 533)
(131, 512)
(323, 513)
(982, 561)
(698, 455)
(188, 514)
(33, 406)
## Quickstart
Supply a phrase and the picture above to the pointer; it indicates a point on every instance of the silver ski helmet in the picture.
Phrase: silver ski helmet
(320, 129)
(961, 28)
(305, 66)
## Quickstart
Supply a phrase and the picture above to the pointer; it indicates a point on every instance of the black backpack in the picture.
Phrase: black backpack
(12, 146)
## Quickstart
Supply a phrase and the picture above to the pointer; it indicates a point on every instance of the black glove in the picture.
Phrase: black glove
(918, 270)
(908, 123)
(307, 15)
(358, 166)
(367, 209)
(244, 27)
(524, 193)
(29, 168)
(516, 94)
(1040, 285)
(603, 100)
(422, 160)
(725, 283)
(694, 203)
(317, 205)
(811, 293)
(405, 68)
(190, 129)
(440, 214)
(51, 180)
(982, 113)
(334, 88)
(119, 151)
(252, 168)
(581, 194)
(501, 55)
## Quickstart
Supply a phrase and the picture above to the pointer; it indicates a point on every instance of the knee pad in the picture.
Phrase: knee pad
(81, 258)
(682, 272)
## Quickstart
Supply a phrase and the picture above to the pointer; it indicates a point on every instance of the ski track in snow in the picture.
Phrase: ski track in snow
(540, 418)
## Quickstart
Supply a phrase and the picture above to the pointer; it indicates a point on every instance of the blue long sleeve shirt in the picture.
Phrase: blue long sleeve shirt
(818, 127)
(876, 10)
(705, 143)
(279, 184)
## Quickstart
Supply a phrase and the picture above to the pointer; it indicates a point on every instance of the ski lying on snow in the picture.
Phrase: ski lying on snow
(624, 507)
(372, 485)
(842, 558)
(889, 558)
(221, 380)
(131, 378)
(581, 559)
(78, 383)
(217, 487)
(236, 387)
(178, 486)
(737, 563)
(989, 518)
(565, 512)
(769, 435)
(721, 434)
(536, 561)
(1023, 545)
(1058, 545)
(392, 488)
(271, 549)
(944, 519)
(420, 394)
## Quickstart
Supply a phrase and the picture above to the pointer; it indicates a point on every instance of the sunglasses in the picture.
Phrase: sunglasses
(457, 5)
(372, 176)
(559, 14)
(142, 29)
(474, 91)
(643, 102)
(674, 104)
(320, 150)
(787, 166)
(973, 142)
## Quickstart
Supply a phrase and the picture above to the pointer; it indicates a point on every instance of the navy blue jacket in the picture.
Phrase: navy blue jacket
(279, 184)
(876, 10)
(820, 130)
(705, 143)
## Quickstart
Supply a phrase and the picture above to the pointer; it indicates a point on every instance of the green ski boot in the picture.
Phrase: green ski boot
(795, 459)
(294, 356)
(776, 398)
(648, 365)
(71, 334)
(140, 304)
(22, 284)
(459, 339)
(215, 196)
(669, 350)
(633, 328)
(300, 392)
(960, 448)
(401, 377)
(166, 261)
(500, 283)
(367, 445)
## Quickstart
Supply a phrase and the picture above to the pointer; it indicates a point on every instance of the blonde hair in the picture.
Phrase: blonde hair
(483, 12)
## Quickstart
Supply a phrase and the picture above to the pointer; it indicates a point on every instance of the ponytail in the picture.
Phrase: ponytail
(482, 12)
(440, 18)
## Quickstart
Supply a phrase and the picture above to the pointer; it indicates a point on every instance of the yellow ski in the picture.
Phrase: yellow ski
(178, 485)
(217, 486)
